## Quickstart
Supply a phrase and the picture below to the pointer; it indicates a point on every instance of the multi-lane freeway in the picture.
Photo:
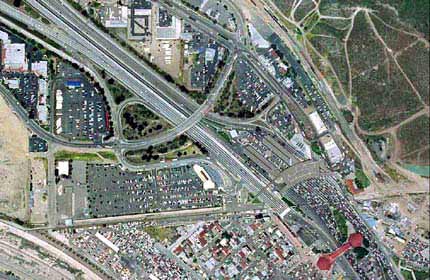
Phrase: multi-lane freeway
(160, 96)
(108, 55)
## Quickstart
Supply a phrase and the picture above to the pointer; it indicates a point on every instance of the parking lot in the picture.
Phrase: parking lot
(112, 191)
(27, 91)
(83, 112)
(253, 92)
(206, 56)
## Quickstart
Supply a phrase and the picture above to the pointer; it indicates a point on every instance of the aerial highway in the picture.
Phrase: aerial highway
(150, 89)
(104, 52)
(195, 117)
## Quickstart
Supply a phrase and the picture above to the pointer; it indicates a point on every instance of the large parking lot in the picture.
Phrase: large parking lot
(252, 91)
(112, 191)
(83, 111)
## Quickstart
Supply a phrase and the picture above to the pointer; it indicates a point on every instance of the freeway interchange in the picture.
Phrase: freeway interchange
(149, 88)
(116, 61)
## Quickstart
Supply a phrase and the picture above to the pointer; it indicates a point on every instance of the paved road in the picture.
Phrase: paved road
(50, 248)
(116, 61)
(34, 126)
(188, 123)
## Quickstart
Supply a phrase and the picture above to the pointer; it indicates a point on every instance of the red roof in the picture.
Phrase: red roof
(279, 252)
(225, 250)
(351, 186)
(255, 226)
(243, 264)
(178, 250)
(202, 233)
(202, 241)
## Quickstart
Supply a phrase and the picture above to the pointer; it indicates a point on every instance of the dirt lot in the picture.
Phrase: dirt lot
(40, 190)
(14, 164)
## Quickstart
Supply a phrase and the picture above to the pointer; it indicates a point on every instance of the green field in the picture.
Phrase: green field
(99, 156)
(159, 233)
(180, 147)
(361, 179)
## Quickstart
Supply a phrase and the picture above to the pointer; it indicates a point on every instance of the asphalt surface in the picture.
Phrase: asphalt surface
(188, 123)
(34, 126)
(99, 48)
(116, 61)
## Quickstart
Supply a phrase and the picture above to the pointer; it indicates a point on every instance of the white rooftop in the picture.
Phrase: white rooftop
(116, 16)
(317, 123)
(40, 68)
(208, 184)
(4, 37)
(13, 57)
(334, 154)
(63, 168)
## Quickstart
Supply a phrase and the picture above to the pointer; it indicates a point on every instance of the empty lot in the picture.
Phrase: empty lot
(14, 164)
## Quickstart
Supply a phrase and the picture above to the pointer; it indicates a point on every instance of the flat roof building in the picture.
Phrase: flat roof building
(4, 37)
(318, 123)
(115, 16)
(168, 27)
(42, 109)
(13, 57)
(40, 68)
(63, 168)
(208, 184)
(333, 152)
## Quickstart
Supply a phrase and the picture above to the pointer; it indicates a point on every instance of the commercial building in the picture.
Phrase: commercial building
(4, 37)
(208, 184)
(115, 16)
(168, 27)
(140, 20)
(12, 83)
(317, 122)
(13, 57)
(40, 68)
(42, 109)
(63, 168)
(58, 111)
(333, 152)
(71, 84)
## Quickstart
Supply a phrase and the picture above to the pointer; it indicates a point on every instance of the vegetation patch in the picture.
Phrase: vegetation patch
(316, 148)
(384, 97)
(361, 179)
(180, 147)
(340, 220)
(414, 138)
(119, 92)
(138, 122)
(360, 252)
(415, 63)
(99, 156)
(159, 233)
